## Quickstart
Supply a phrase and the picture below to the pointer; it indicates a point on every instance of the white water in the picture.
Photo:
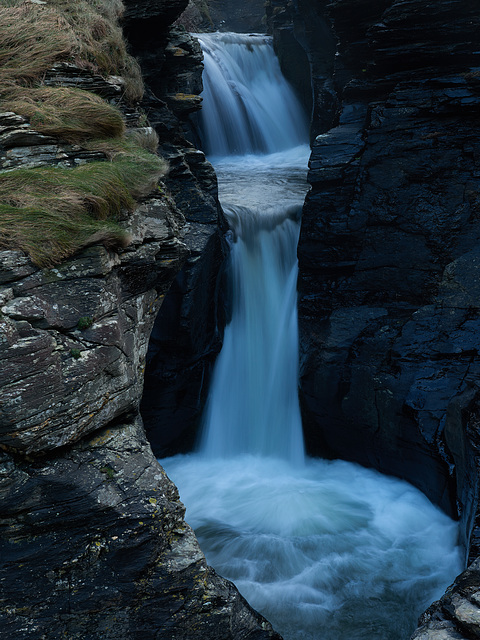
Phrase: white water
(255, 379)
(249, 101)
(325, 550)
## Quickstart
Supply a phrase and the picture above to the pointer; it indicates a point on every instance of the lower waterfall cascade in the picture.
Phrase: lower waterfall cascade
(325, 550)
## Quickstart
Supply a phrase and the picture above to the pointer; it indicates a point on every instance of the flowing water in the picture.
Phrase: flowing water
(326, 550)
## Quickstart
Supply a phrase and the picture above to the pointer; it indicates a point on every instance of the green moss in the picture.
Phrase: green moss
(84, 323)
(75, 353)
(108, 471)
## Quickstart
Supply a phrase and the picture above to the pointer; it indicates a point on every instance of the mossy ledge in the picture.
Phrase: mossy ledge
(52, 212)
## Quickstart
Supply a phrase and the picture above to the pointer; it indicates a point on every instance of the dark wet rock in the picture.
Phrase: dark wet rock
(457, 613)
(184, 340)
(306, 45)
(182, 349)
(389, 316)
(247, 16)
(93, 541)
(165, 10)
(65, 325)
(135, 571)
(391, 223)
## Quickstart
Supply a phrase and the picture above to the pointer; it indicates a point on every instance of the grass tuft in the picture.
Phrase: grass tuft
(24, 229)
(50, 213)
(73, 115)
(33, 37)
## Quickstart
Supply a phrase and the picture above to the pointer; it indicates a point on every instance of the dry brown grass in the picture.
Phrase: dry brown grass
(102, 47)
(146, 138)
(33, 37)
(50, 213)
(72, 115)
(71, 233)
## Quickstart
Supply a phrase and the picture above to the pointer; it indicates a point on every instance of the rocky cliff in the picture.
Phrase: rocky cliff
(388, 253)
(93, 543)
(184, 341)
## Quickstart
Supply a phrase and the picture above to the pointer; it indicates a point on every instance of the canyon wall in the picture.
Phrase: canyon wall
(389, 298)
(93, 542)
(388, 282)
(184, 340)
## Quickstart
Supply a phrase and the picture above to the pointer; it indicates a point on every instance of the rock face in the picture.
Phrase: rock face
(93, 543)
(93, 539)
(247, 16)
(61, 327)
(184, 340)
(389, 309)
(135, 571)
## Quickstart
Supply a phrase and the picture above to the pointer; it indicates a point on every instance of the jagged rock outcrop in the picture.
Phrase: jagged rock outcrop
(389, 312)
(456, 614)
(63, 326)
(93, 543)
(184, 340)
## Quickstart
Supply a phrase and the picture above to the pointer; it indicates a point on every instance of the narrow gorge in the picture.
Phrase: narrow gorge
(122, 352)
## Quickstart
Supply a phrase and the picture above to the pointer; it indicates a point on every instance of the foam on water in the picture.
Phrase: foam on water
(327, 550)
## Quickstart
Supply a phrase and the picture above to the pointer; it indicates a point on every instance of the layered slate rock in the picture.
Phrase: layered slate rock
(63, 326)
(98, 538)
(93, 542)
(389, 311)
(22, 146)
(456, 616)
(184, 340)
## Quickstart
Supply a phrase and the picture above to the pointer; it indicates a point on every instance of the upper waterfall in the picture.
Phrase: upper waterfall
(248, 106)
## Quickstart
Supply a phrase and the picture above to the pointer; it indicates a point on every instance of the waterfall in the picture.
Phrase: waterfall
(255, 380)
(326, 550)
(251, 107)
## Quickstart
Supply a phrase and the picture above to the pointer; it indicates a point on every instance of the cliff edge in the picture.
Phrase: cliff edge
(93, 540)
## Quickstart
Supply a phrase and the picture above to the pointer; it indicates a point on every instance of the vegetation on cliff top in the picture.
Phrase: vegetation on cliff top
(51, 212)
(33, 37)
(74, 115)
